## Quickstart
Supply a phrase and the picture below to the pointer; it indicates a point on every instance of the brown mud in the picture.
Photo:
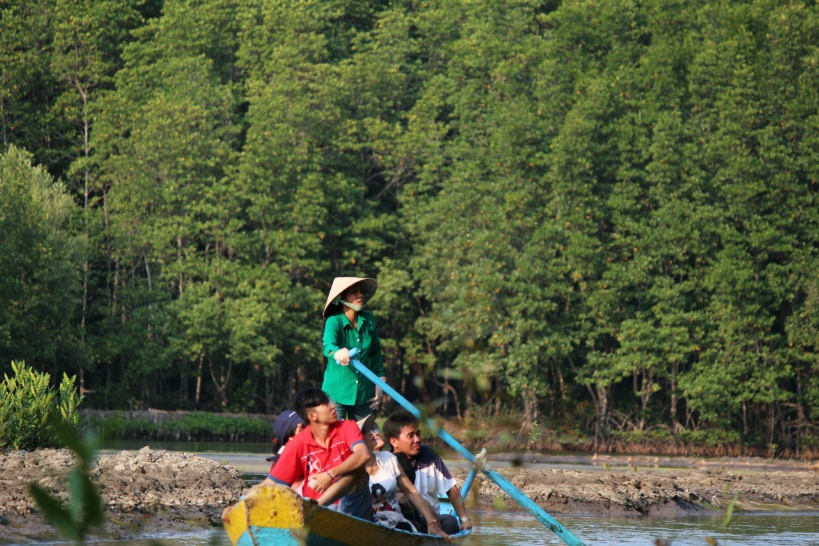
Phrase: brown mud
(151, 491)
(144, 492)
(634, 490)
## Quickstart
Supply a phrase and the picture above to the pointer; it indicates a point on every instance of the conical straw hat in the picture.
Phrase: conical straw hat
(340, 284)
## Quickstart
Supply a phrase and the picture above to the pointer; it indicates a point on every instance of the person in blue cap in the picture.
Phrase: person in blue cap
(287, 425)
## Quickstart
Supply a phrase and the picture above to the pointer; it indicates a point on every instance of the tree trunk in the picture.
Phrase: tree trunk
(179, 261)
(529, 409)
(469, 395)
(269, 389)
(561, 383)
(199, 379)
(600, 395)
(183, 388)
(772, 411)
(675, 423)
(86, 193)
(645, 396)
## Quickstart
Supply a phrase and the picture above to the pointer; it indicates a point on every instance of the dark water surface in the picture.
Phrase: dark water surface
(518, 528)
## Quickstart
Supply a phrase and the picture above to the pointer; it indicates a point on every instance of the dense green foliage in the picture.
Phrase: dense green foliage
(601, 211)
(193, 426)
(27, 402)
(39, 268)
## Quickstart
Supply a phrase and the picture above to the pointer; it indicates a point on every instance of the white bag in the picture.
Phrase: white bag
(390, 518)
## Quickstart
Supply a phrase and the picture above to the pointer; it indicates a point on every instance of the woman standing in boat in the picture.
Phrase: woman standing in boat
(348, 326)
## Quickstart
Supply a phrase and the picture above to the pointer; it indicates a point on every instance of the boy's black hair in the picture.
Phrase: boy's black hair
(309, 398)
(394, 423)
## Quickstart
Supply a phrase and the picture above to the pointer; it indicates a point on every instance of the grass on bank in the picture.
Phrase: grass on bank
(498, 432)
(182, 427)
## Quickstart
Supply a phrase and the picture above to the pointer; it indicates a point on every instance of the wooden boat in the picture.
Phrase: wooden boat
(274, 515)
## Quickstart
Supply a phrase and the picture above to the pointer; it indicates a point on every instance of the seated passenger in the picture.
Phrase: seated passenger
(432, 477)
(386, 478)
(287, 425)
(329, 455)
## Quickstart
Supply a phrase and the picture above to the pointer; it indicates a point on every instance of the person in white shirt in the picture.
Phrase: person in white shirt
(386, 479)
(432, 477)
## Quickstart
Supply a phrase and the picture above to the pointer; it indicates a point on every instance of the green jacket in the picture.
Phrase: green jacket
(345, 384)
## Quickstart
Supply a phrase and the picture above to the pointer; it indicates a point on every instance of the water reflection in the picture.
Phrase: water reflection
(497, 528)
(519, 529)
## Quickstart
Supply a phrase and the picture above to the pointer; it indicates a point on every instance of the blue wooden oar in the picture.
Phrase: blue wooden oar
(472, 473)
(539, 513)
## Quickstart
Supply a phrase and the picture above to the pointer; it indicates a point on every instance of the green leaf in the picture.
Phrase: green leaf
(56, 513)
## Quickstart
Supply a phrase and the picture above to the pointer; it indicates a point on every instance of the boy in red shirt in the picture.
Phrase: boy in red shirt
(329, 455)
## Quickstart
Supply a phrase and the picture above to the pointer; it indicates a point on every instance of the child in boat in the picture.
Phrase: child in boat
(287, 425)
(386, 478)
(329, 455)
(432, 477)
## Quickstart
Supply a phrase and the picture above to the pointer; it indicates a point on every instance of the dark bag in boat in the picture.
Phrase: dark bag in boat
(407, 509)
(406, 466)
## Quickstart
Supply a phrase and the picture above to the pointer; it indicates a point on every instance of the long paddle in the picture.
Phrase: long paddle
(472, 473)
(539, 513)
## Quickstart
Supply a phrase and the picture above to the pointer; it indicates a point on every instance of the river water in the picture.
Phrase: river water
(520, 529)
(511, 527)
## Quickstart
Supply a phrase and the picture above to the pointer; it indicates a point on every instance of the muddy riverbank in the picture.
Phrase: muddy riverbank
(144, 492)
(653, 492)
(148, 490)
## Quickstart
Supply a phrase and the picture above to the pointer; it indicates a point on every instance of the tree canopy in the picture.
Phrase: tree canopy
(603, 212)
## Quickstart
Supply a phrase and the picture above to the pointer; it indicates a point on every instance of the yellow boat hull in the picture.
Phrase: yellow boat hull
(274, 515)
